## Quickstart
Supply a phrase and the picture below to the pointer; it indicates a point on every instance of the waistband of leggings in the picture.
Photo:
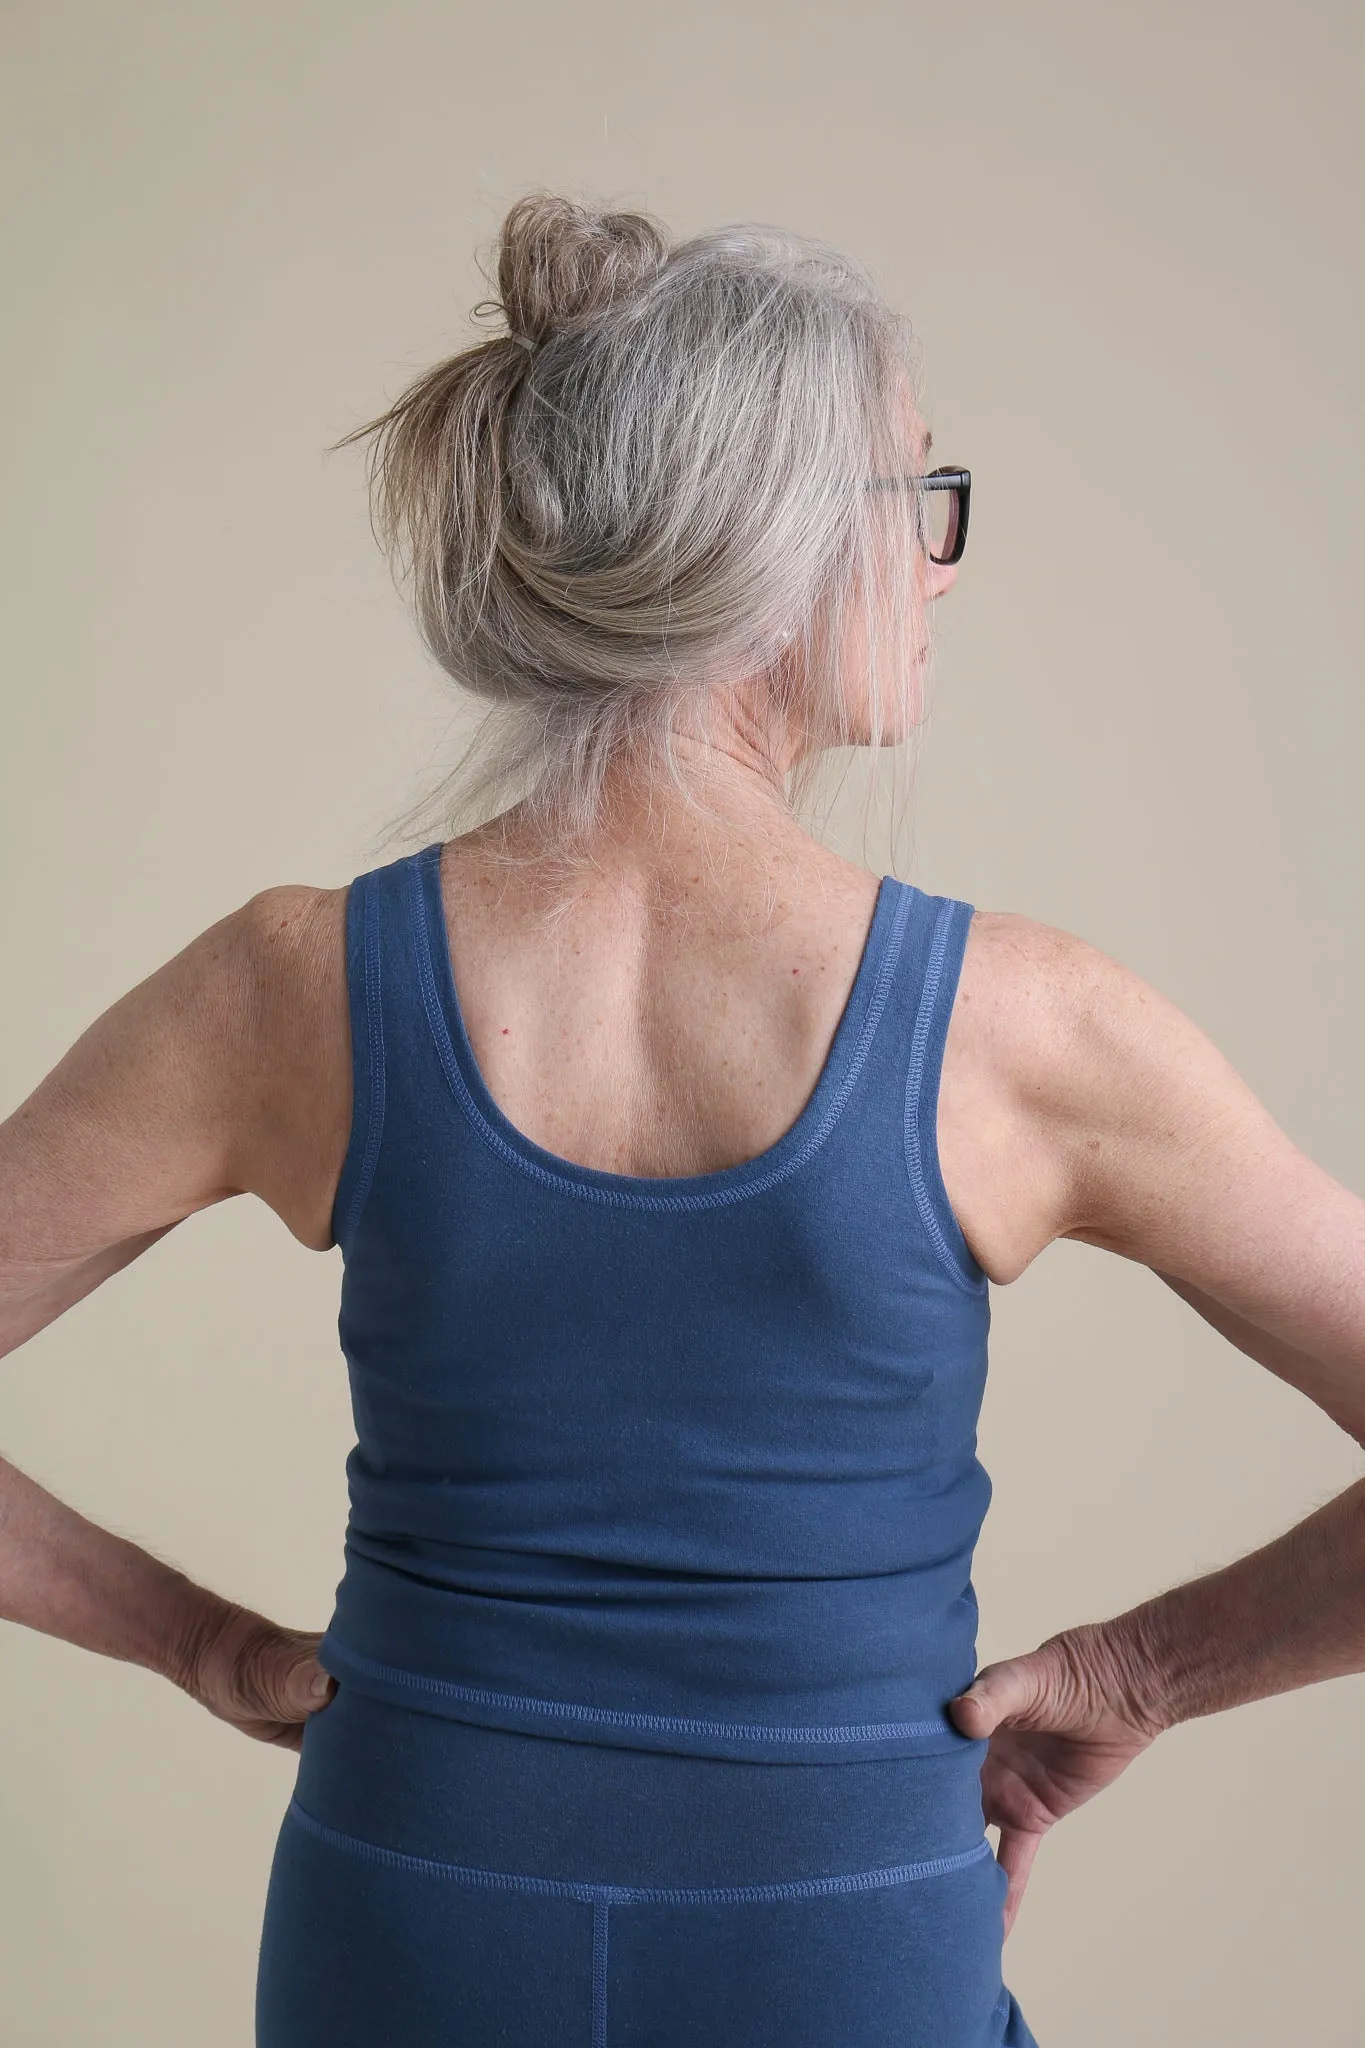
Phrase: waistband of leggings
(458, 1792)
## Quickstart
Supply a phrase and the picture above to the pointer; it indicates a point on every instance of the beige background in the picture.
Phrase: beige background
(1129, 239)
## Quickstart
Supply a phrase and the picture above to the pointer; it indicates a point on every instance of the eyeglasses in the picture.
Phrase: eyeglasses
(946, 513)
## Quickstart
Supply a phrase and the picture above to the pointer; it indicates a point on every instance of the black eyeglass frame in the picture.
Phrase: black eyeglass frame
(949, 478)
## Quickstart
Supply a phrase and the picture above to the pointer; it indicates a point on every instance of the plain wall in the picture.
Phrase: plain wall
(1128, 237)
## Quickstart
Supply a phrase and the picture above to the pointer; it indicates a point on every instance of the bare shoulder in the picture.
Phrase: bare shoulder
(1121, 1103)
(1099, 1059)
(296, 1120)
(1006, 1163)
(1040, 999)
(223, 1072)
(1154, 1147)
(289, 935)
(1069, 1085)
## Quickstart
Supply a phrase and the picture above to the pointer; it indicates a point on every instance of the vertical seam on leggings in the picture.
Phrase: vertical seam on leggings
(601, 1908)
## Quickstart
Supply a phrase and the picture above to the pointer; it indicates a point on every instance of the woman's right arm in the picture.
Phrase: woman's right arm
(1173, 1161)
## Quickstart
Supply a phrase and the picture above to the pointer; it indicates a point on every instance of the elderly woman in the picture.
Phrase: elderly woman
(671, 1158)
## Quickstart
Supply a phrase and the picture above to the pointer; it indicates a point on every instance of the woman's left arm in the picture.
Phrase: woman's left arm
(161, 1108)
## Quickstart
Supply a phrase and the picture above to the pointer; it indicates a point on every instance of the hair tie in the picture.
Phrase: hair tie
(523, 341)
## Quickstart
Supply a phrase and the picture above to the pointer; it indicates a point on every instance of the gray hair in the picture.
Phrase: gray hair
(651, 486)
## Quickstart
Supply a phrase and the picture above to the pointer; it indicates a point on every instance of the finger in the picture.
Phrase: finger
(1010, 1690)
(283, 1735)
(1015, 1857)
(1018, 1847)
(1014, 1899)
(286, 1686)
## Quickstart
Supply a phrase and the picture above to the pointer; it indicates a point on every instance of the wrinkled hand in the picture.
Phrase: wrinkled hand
(1063, 1722)
(258, 1677)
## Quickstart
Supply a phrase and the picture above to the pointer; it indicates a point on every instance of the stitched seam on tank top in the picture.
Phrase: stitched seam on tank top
(627, 1198)
(643, 1895)
(600, 1912)
(374, 1039)
(615, 1717)
(914, 1157)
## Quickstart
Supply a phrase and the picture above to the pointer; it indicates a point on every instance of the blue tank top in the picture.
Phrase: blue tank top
(683, 1464)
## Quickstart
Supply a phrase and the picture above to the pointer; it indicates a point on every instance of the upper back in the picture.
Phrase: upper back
(660, 1046)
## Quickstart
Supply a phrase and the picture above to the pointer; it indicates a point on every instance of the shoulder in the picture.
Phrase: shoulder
(1019, 983)
(1059, 1009)
(1102, 1076)
(250, 1022)
(1006, 1156)
(290, 946)
(222, 1072)
(1163, 1154)
(285, 932)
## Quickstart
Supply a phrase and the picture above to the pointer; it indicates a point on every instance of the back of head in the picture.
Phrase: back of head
(649, 487)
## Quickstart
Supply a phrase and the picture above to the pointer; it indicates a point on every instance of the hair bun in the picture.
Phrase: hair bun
(559, 263)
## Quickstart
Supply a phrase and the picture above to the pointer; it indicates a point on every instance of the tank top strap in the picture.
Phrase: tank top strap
(924, 948)
(391, 1046)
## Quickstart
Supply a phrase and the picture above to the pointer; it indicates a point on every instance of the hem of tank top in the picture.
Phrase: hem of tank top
(368, 1089)
(921, 1144)
(797, 1145)
(610, 1717)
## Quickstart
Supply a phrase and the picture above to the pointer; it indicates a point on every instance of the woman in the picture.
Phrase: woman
(671, 1157)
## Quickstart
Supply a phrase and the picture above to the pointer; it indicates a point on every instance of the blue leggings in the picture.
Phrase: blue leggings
(439, 1882)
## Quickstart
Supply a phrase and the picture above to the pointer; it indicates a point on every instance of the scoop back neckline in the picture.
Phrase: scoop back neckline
(847, 1051)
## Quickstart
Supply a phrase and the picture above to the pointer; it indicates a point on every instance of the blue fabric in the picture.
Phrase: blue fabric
(684, 1463)
(438, 1882)
(659, 1484)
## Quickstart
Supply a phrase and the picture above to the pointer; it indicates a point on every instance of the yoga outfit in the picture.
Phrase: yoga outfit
(657, 1571)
